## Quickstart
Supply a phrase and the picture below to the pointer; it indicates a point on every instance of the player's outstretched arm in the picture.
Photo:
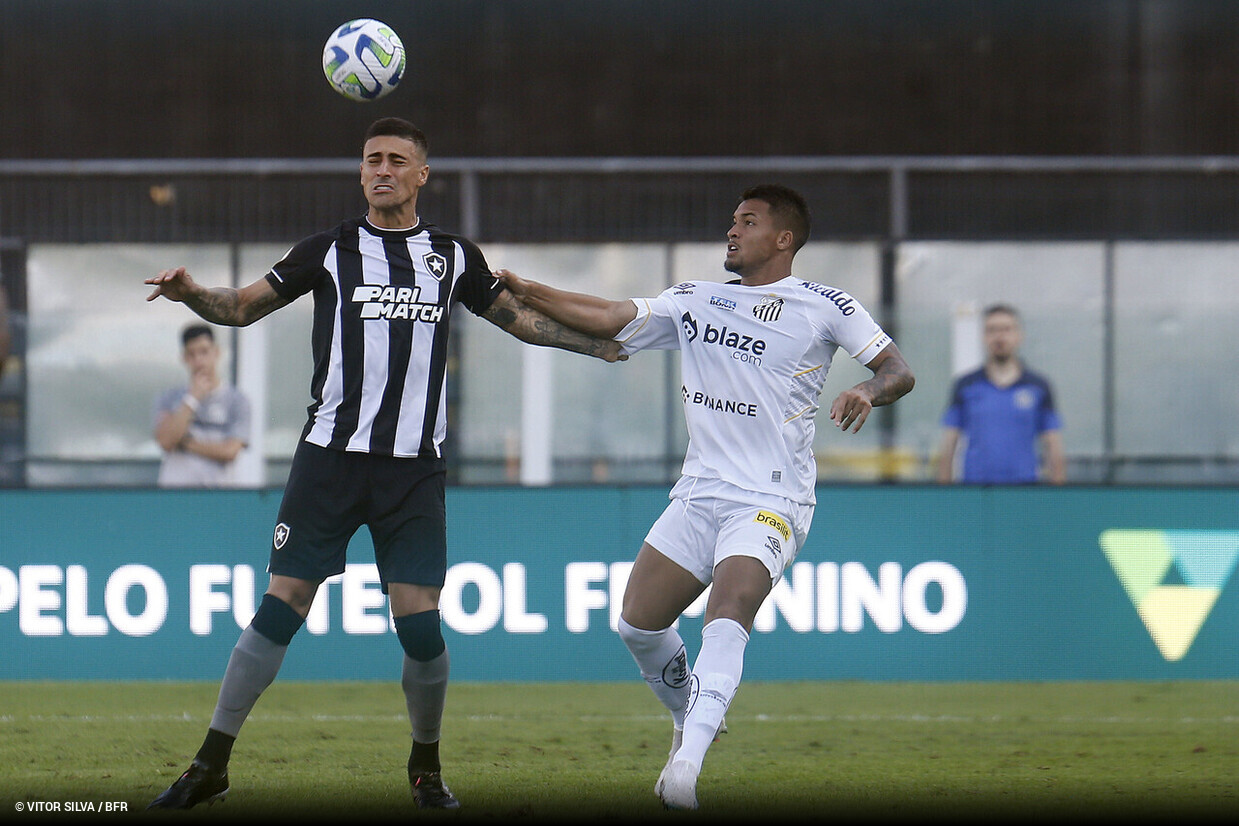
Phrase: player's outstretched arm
(219, 305)
(534, 327)
(588, 313)
(892, 379)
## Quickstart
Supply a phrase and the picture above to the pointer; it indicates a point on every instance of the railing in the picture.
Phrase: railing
(895, 202)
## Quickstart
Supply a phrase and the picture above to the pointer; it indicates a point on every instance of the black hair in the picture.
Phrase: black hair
(400, 128)
(787, 206)
(193, 331)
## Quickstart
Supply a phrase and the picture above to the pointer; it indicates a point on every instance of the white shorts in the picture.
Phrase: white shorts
(704, 525)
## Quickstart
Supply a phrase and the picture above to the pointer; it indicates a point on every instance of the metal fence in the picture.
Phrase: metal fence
(631, 199)
(894, 203)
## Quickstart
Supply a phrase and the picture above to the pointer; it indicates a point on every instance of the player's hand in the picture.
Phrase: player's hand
(612, 352)
(850, 409)
(174, 285)
(516, 285)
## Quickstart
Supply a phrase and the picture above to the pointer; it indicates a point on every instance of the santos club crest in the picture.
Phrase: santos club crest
(769, 308)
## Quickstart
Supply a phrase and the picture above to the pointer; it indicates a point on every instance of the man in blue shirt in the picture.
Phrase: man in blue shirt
(1004, 411)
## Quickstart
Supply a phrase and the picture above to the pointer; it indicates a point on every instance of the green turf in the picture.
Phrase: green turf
(830, 751)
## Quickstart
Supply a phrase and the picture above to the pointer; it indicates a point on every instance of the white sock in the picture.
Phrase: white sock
(664, 665)
(716, 676)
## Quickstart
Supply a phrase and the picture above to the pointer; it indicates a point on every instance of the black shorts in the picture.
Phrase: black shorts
(332, 493)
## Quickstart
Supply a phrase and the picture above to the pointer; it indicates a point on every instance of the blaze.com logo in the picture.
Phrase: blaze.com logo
(1173, 578)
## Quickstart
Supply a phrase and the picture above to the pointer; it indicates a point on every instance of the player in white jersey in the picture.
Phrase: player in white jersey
(754, 356)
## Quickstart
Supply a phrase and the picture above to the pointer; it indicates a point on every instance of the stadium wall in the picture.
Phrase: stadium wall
(495, 78)
(907, 583)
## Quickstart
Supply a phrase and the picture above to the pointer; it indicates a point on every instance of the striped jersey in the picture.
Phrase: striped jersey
(752, 364)
(382, 306)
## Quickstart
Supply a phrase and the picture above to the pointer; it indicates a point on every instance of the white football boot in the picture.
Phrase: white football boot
(677, 736)
(679, 786)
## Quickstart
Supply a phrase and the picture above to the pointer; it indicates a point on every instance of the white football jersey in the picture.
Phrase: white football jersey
(753, 362)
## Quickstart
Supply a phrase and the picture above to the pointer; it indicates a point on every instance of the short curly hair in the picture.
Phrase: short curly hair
(787, 206)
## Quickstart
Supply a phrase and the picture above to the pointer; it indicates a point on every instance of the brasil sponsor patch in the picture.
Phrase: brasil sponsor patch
(776, 522)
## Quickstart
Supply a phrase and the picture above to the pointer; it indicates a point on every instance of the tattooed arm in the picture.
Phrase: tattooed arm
(220, 305)
(892, 378)
(588, 313)
(533, 327)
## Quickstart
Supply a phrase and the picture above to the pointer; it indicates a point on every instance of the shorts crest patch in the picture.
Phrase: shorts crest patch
(281, 535)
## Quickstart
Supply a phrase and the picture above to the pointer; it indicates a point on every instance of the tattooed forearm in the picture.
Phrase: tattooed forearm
(535, 328)
(887, 387)
(219, 305)
(892, 380)
(262, 306)
(500, 316)
(223, 305)
(553, 334)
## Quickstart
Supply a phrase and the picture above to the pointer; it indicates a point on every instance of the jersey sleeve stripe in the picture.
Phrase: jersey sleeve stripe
(881, 334)
(645, 320)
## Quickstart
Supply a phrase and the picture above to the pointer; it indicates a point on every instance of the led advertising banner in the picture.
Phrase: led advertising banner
(895, 582)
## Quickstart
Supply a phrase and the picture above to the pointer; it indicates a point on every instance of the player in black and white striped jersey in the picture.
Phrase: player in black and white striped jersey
(379, 368)
(370, 454)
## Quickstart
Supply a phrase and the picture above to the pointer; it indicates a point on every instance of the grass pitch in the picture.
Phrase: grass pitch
(823, 751)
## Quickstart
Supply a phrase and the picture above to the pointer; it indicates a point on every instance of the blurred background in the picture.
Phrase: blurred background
(1074, 158)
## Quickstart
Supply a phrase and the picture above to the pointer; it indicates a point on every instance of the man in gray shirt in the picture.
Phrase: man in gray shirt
(204, 425)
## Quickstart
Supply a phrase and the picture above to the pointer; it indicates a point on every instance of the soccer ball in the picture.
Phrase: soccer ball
(363, 59)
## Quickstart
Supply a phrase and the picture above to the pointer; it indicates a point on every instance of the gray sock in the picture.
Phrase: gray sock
(253, 665)
(425, 689)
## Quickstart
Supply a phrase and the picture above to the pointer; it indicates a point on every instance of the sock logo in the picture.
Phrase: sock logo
(1173, 579)
(694, 686)
(675, 672)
